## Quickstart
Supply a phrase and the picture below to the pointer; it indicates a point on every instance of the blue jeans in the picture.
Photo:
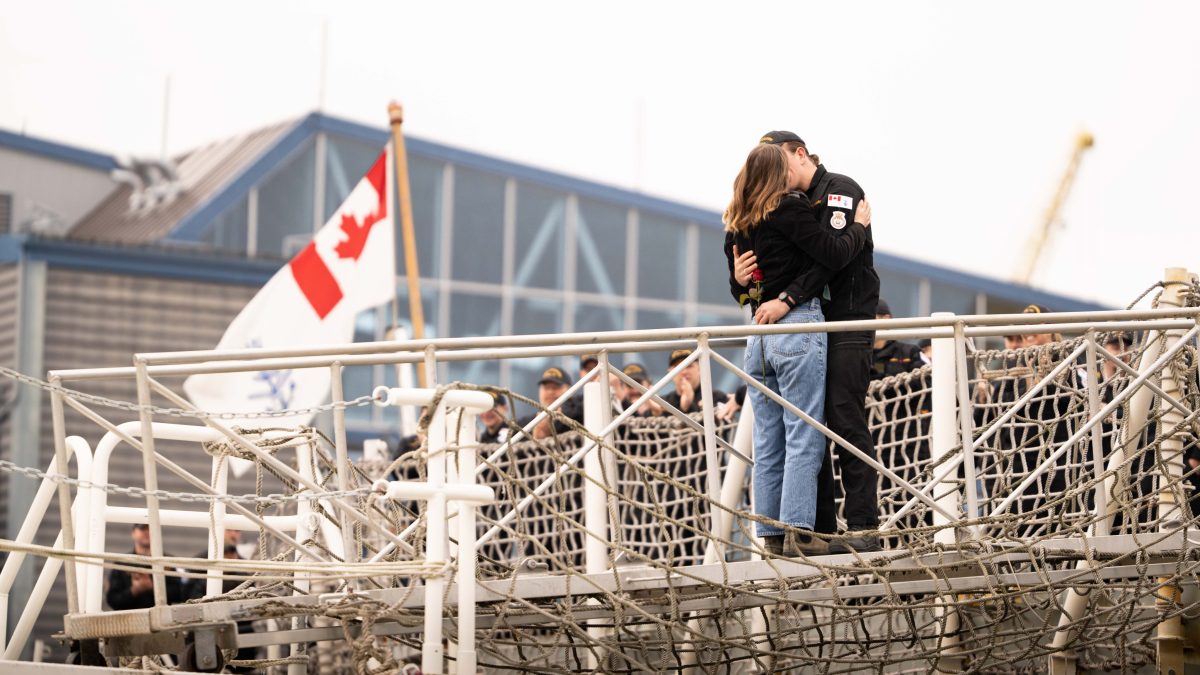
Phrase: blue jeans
(787, 451)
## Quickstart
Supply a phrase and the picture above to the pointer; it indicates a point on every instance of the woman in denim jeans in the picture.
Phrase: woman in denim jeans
(776, 249)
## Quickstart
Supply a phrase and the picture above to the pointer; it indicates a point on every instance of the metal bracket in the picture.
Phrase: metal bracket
(219, 635)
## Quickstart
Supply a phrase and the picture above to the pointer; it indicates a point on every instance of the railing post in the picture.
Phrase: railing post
(432, 655)
(150, 475)
(350, 547)
(307, 525)
(966, 426)
(65, 502)
(1171, 636)
(215, 583)
(734, 483)
(595, 493)
(467, 562)
(943, 432)
(711, 456)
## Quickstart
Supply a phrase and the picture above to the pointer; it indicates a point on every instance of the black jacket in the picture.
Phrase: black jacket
(790, 246)
(673, 398)
(120, 590)
(854, 287)
(571, 408)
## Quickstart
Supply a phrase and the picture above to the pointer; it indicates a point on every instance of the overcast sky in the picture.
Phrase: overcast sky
(957, 118)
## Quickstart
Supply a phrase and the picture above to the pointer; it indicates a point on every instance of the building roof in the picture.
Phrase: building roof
(218, 175)
(57, 151)
(204, 174)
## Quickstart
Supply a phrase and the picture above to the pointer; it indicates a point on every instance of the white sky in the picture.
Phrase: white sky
(956, 117)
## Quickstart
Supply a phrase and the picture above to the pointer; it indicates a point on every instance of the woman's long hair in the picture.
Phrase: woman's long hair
(758, 188)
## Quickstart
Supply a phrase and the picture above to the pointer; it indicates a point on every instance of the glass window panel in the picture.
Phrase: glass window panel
(656, 362)
(429, 304)
(425, 186)
(944, 298)
(664, 242)
(540, 220)
(535, 316)
(474, 315)
(478, 226)
(285, 206)
(600, 242)
(597, 318)
(901, 291)
(227, 232)
(346, 162)
(713, 284)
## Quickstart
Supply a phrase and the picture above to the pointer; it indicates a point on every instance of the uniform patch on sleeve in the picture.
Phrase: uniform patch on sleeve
(838, 220)
(841, 202)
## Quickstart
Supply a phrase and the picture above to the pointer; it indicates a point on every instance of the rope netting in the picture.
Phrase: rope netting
(988, 597)
(1069, 503)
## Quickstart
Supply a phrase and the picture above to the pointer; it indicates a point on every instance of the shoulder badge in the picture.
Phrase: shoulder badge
(838, 220)
(841, 202)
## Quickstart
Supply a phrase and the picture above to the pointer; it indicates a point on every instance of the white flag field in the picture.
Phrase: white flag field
(349, 266)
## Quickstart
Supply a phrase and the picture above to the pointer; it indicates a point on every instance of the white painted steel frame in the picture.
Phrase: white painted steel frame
(432, 352)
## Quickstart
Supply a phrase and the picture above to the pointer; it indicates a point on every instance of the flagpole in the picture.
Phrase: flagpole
(396, 114)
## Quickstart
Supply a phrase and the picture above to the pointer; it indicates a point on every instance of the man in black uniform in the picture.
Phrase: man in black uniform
(135, 590)
(495, 421)
(851, 294)
(629, 395)
(892, 357)
(554, 383)
(687, 396)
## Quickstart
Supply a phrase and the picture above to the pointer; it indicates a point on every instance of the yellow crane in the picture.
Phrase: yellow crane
(1038, 241)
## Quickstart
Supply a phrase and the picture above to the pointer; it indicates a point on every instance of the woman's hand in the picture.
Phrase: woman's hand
(862, 214)
(744, 265)
(771, 311)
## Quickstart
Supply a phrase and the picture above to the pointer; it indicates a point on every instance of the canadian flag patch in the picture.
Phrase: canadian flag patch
(840, 202)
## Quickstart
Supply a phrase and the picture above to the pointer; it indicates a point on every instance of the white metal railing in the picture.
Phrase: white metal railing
(953, 440)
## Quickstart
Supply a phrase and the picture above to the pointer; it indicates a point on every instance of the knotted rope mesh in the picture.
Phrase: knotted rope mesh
(987, 593)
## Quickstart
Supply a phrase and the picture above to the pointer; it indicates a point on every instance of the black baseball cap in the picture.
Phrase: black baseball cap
(589, 358)
(882, 308)
(498, 399)
(637, 372)
(679, 355)
(1035, 309)
(777, 137)
(554, 374)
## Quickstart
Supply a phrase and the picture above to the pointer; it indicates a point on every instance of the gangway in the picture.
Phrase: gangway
(1046, 528)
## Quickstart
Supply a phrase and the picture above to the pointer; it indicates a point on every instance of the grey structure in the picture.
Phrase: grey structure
(101, 259)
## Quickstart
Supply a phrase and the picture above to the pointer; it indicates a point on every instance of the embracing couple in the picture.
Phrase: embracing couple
(799, 248)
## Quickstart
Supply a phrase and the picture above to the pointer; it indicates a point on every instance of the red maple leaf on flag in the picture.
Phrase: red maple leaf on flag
(356, 235)
(356, 232)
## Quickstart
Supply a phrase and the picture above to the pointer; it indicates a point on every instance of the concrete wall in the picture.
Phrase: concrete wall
(69, 191)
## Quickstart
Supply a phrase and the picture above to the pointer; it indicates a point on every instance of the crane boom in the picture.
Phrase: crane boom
(1038, 241)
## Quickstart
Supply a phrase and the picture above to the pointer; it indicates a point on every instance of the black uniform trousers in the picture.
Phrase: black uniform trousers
(850, 356)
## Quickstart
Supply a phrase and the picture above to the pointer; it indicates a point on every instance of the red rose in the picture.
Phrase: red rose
(757, 274)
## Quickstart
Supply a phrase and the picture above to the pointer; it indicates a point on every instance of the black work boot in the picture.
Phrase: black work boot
(774, 544)
(861, 542)
(804, 544)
